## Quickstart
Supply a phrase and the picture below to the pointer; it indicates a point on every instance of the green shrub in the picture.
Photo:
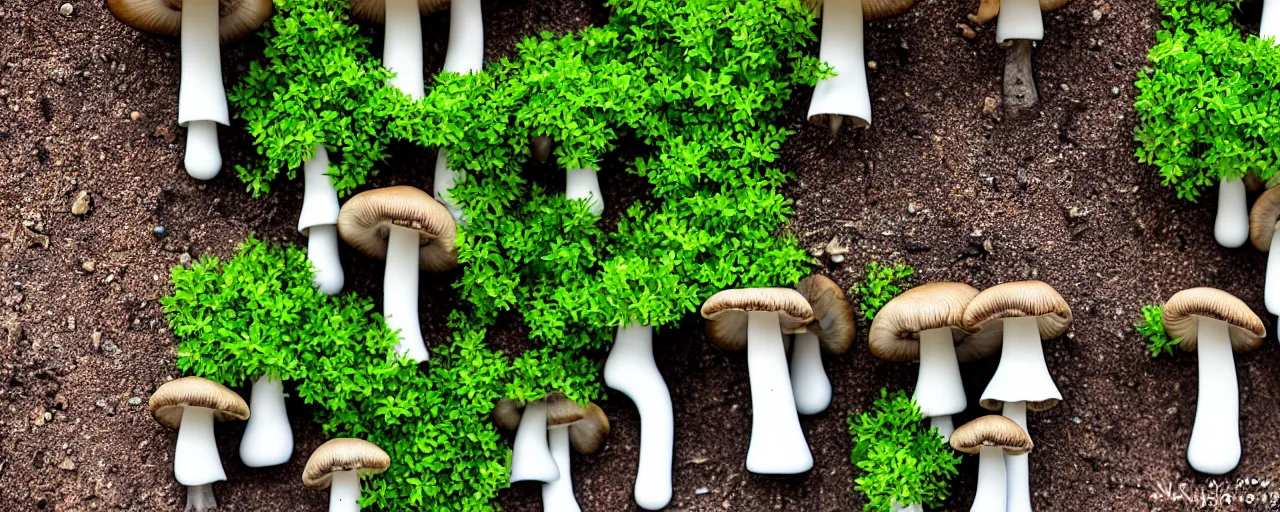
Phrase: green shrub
(1152, 328)
(904, 461)
(1207, 104)
(258, 312)
(880, 285)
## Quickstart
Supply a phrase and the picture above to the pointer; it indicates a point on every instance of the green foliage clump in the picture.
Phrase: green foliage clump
(881, 284)
(693, 90)
(1207, 104)
(1152, 328)
(317, 84)
(905, 462)
(258, 313)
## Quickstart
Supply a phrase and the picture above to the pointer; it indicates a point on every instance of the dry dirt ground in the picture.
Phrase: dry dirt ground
(937, 182)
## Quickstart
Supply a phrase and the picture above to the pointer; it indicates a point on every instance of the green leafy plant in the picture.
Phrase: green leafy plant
(1207, 103)
(692, 90)
(259, 312)
(880, 285)
(905, 462)
(1152, 328)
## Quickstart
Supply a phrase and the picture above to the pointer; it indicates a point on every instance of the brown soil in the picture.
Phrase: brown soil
(958, 193)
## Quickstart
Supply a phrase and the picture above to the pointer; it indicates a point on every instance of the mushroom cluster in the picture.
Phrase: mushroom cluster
(756, 319)
(545, 430)
(1214, 324)
(943, 324)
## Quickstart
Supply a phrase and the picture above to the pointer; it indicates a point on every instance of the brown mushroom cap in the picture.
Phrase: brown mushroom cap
(365, 222)
(1016, 300)
(1263, 217)
(506, 414)
(895, 331)
(871, 9)
(991, 430)
(562, 411)
(236, 18)
(376, 10)
(833, 322)
(168, 401)
(343, 454)
(726, 313)
(587, 435)
(1052, 5)
(1184, 310)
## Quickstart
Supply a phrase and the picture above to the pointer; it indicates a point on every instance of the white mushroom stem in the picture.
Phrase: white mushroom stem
(631, 370)
(531, 458)
(464, 55)
(1270, 19)
(898, 507)
(319, 219)
(400, 292)
(1019, 19)
(1017, 467)
(344, 492)
(1215, 436)
(1231, 226)
(939, 389)
(1022, 370)
(1271, 290)
(557, 495)
(202, 100)
(196, 460)
(200, 499)
(842, 47)
(402, 47)
(584, 184)
(809, 380)
(268, 439)
(944, 425)
(777, 443)
(990, 496)
(466, 37)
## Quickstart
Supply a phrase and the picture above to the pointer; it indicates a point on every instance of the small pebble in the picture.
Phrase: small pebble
(135, 115)
(966, 31)
(82, 203)
(134, 400)
(1115, 91)
(872, 65)
(701, 490)
(67, 465)
(184, 258)
(1076, 420)
(89, 266)
(158, 232)
(66, 9)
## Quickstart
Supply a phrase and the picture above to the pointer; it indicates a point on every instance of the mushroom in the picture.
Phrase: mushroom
(831, 331)
(1266, 238)
(465, 54)
(631, 370)
(337, 465)
(846, 95)
(1233, 223)
(191, 405)
(410, 230)
(1022, 313)
(401, 39)
(531, 458)
(1214, 323)
(319, 223)
(203, 25)
(923, 324)
(268, 438)
(991, 437)
(586, 435)
(1020, 23)
(756, 319)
